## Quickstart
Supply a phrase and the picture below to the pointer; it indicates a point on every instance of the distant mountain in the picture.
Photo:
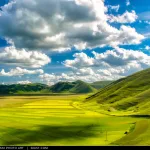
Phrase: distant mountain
(62, 87)
(72, 87)
(23, 88)
(100, 84)
(38, 88)
(130, 93)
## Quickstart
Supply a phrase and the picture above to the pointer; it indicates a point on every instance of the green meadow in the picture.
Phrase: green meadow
(62, 120)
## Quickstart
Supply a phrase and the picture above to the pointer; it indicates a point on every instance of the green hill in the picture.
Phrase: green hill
(23, 88)
(38, 88)
(100, 84)
(62, 87)
(127, 94)
(72, 87)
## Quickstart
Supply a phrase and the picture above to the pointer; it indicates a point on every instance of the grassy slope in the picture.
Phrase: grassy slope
(100, 84)
(72, 87)
(139, 135)
(128, 94)
(62, 87)
(82, 87)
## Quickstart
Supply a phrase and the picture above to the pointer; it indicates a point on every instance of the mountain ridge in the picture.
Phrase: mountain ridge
(76, 87)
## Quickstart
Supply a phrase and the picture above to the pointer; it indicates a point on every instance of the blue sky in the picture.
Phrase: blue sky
(51, 41)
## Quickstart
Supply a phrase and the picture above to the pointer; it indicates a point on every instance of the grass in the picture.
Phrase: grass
(61, 120)
(136, 134)
(129, 95)
(100, 84)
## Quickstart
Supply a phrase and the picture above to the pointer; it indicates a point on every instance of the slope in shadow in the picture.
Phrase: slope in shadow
(48, 133)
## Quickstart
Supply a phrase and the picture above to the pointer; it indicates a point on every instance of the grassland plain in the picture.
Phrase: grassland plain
(60, 120)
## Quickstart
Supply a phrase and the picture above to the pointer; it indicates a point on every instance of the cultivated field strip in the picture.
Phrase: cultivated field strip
(41, 108)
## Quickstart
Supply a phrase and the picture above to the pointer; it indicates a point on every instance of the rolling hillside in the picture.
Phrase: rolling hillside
(23, 88)
(127, 94)
(100, 84)
(72, 87)
(38, 88)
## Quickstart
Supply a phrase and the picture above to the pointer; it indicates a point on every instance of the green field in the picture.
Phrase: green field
(61, 120)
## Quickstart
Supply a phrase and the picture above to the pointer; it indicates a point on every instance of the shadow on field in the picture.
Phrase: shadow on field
(140, 116)
(48, 133)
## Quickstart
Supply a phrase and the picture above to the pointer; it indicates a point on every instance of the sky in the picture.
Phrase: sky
(48, 41)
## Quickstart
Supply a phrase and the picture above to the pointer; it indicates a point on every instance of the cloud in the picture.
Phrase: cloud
(147, 47)
(23, 58)
(127, 2)
(85, 72)
(51, 79)
(58, 25)
(118, 71)
(24, 82)
(20, 72)
(82, 74)
(110, 65)
(122, 57)
(111, 71)
(115, 8)
(147, 22)
(110, 58)
(81, 59)
(127, 17)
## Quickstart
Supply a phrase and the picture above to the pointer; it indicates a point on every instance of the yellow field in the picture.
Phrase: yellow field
(56, 120)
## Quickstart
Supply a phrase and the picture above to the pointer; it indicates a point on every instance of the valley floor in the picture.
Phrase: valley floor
(59, 120)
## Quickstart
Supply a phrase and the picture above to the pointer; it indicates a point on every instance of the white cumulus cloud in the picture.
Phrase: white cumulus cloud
(58, 25)
(147, 47)
(32, 59)
(81, 59)
(115, 8)
(110, 58)
(111, 64)
(20, 72)
(127, 17)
